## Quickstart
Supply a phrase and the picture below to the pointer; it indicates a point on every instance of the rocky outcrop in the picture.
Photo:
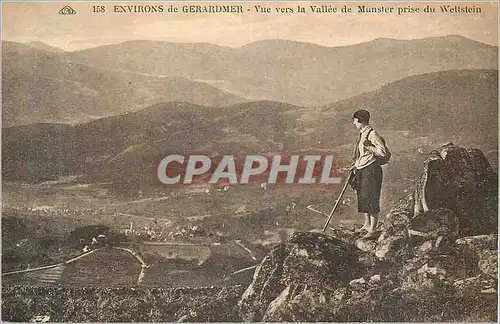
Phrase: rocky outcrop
(460, 179)
(456, 196)
(424, 266)
(311, 269)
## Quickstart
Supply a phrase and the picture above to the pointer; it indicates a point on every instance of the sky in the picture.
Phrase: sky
(38, 21)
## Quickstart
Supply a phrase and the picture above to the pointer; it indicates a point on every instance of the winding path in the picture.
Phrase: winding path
(52, 265)
(51, 273)
(144, 266)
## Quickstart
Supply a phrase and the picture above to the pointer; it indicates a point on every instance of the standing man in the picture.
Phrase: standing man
(368, 172)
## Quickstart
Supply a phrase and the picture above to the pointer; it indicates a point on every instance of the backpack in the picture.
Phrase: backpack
(382, 159)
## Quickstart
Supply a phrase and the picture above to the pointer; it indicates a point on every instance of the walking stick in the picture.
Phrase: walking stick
(351, 173)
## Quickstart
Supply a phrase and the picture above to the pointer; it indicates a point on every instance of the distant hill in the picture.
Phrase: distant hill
(138, 140)
(192, 61)
(41, 86)
(294, 72)
(44, 47)
(443, 105)
(459, 105)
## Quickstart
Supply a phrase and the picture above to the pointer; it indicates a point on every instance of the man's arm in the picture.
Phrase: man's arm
(377, 147)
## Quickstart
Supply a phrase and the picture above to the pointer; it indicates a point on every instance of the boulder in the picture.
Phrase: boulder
(265, 286)
(309, 264)
(344, 233)
(460, 179)
(316, 258)
(433, 189)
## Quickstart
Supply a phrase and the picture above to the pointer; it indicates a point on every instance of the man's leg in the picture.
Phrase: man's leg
(366, 225)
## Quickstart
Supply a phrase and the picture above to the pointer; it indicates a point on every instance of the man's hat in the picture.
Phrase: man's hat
(362, 115)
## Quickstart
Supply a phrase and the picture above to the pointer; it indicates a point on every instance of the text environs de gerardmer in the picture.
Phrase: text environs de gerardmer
(184, 8)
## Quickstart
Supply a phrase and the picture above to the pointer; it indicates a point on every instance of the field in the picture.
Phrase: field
(166, 265)
(107, 266)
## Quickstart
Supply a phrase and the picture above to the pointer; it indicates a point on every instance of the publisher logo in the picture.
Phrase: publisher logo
(67, 10)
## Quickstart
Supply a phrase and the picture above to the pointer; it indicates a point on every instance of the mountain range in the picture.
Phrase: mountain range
(294, 72)
(44, 84)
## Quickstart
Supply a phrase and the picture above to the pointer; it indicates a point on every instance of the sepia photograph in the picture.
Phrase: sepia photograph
(249, 161)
